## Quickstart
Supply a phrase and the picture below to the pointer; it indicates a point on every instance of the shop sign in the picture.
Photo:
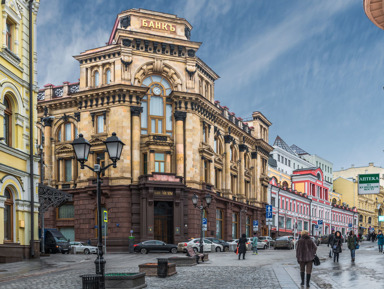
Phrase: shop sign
(158, 25)
(369, 184)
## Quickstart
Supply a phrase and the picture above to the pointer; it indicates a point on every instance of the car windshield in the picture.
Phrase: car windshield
(61, 239)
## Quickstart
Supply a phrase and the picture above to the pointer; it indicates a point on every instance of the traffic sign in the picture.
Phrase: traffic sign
(255, 223)
(350, 225)
(105, 214)
(320, 222)
(204, 221)
(268, 208)
(316, 226)
(204, 224)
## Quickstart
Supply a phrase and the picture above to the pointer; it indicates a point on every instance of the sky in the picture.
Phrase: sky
(313, 68)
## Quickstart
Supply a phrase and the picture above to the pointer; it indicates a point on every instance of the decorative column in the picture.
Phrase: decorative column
(168, 162)
(242, 149)
(258, 183)
(151, 161)
(227, 165)
(47, 122)
(253, 178)
(5, 15)
(180, 117)
(89, 77)
(136, 131)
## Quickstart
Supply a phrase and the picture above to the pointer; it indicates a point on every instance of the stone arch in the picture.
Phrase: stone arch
(12, 183)
(59, 123)
(8, 88)
(158, 67)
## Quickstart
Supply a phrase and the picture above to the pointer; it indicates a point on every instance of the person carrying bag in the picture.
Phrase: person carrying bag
(352, 245)
(305, 254)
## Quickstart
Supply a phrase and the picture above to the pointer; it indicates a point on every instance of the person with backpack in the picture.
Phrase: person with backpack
(254, 244)
(352, 244)
(337, 243)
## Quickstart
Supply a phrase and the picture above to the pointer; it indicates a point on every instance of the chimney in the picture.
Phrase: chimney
(371, 164)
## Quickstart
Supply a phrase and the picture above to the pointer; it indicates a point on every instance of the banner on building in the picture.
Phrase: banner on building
(369, 184)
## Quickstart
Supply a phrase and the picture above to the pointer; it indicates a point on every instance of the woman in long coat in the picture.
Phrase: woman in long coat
(305, 253)
(352, 242)
(242, 245)
(336, 246)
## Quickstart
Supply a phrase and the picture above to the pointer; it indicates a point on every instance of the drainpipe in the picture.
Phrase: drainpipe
(278, 211)
(31, 172)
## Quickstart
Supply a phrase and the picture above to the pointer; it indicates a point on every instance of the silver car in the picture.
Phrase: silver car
(81, 247)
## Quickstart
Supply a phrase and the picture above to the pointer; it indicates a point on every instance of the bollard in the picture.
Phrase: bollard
(162, 267)
(131, 242)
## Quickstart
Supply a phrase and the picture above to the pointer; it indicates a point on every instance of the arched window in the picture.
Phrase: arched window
(285, 184)
(334, 201)
(157, 113)
(369, 220)
(96, 78)
(108, 76)
(8, 215)
(7, 122)
(67, 132)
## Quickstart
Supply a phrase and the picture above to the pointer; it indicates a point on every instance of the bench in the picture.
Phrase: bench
(191, 253)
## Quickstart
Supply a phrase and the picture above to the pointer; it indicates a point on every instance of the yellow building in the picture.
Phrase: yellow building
(369, 207)
(18, 166)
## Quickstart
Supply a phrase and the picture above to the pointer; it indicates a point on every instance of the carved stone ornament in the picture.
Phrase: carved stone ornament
(243, 147)
(74, 88)
(180, 115)
(125, 21)
(228, 138)
(191, 53)
(41, 95)
(136, 110)
(58, 92)
(127, 42)
(254, 155)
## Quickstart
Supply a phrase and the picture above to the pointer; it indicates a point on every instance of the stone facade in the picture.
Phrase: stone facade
(148, 86)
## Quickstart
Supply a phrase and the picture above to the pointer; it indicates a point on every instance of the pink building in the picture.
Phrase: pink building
(307, 205)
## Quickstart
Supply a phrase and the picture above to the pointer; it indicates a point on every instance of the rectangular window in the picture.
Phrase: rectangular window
(234, 225)
(68, 232)
(289, 163)
(156, 106)
(145, 164)
(273, 220)
(273, 202)
(159, 162)
(66, 211)
(100, 124)
(206, 171)
(68, 132)
(144, 117)
(281, 222)
(299, 225)
(306, 226)
(168, 121)
(278, 158)
(288, 224)
(68, 170)
(219, 224)
(9, 35)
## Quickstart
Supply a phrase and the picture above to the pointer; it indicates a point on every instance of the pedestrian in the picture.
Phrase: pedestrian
(336, 246)
(241, 245)
(380, 241)
(305, 253)
(352, 242)
(89, 242)
(254, 244)
(331, 237)
(373, 237)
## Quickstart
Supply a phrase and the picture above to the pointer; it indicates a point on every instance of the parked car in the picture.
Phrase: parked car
(154, 246)
(195, 244)
(55, 242)
(267, 240)
(83, 248)
(220, 242)
(284, 242)
(315, 240)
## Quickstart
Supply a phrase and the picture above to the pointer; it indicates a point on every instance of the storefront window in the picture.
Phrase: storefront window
(281, 222)
(289, 223)
(248, 226)
(66, 211)
(235, 221)
(219, 224)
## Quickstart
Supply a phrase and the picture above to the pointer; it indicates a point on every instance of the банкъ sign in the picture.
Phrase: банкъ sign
(149, 24)
(369, 184)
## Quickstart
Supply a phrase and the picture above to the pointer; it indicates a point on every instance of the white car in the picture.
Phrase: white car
(83, 248)
(207, 245)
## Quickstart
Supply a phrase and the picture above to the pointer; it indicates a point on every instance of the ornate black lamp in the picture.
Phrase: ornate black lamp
(208, 200)
(114, 147)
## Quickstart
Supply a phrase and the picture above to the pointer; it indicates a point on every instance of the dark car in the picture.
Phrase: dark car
(284, 242)
(55, 242)
(221, 242)
(154, 246)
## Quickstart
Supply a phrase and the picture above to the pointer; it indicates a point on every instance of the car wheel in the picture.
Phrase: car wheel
(62, 252)
(174, 250)
(218, 249)
(143, 251)
(226, 249)
(195, 249)
(86, 251)
(265, 247)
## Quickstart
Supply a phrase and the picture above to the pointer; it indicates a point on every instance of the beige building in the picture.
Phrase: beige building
(148, 86)
(368, 206)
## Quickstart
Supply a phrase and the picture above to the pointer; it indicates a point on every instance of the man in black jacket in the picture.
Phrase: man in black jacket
(331, 237)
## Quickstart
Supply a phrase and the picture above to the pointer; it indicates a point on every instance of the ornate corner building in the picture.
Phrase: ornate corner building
(18, 165)
(148, 86)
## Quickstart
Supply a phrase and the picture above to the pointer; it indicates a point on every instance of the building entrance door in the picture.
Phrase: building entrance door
(163, 230)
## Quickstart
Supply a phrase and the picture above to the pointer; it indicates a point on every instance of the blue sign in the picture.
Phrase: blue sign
(320, 222)
(268, 208)
(204, 221)
(316, 226)
(269, 215)
(350, 225)
(255, 223)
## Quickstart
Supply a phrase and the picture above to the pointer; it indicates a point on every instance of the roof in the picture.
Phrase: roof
(298, 150)
(282, 144)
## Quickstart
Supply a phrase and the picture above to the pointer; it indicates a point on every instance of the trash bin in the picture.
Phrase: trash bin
(91, 281)
(131, 242)
(162, 267)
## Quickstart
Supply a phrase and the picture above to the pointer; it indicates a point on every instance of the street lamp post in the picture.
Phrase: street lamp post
(114, 147)
(195, 199)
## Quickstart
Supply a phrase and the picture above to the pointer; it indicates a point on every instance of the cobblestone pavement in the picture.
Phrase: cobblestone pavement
(269, 269)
